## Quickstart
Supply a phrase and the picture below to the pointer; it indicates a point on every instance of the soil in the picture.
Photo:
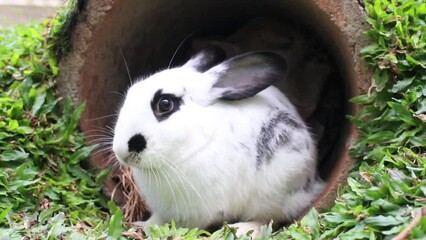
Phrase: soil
(11, 15)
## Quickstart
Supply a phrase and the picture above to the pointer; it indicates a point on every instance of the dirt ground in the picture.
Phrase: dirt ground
(11, 15)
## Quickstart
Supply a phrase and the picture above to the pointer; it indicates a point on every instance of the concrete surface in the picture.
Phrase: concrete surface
(23, 11)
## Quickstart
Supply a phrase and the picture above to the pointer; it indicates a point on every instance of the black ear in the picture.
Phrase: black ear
(245, 75)
(207, 58)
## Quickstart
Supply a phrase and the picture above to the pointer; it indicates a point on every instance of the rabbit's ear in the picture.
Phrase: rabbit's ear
(206, 58)
(245, 75)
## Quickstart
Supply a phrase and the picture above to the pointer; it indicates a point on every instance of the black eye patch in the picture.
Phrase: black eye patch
(164, 105)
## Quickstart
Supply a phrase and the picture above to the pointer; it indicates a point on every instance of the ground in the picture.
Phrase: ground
(21, 11)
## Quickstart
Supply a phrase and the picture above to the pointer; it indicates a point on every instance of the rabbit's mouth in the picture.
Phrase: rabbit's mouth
(131, 160)
(140, 161)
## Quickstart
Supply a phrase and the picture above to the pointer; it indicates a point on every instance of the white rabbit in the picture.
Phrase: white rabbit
(211, 144)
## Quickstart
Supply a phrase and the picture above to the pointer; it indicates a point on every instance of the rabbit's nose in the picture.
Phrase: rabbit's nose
(137, 143)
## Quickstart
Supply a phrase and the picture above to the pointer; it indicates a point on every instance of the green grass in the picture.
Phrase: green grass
(46, 194)
(44, 191)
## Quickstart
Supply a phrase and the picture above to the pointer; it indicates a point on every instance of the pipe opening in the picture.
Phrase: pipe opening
(139, 38)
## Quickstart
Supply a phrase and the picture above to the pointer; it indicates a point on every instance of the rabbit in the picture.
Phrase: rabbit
(212, 141)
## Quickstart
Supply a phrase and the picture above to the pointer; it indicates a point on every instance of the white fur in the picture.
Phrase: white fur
(199, 166)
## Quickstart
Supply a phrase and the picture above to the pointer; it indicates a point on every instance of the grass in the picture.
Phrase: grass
(44, 191)
(46, 194)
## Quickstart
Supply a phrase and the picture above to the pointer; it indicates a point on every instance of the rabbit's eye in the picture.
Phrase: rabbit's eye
(165, 104)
